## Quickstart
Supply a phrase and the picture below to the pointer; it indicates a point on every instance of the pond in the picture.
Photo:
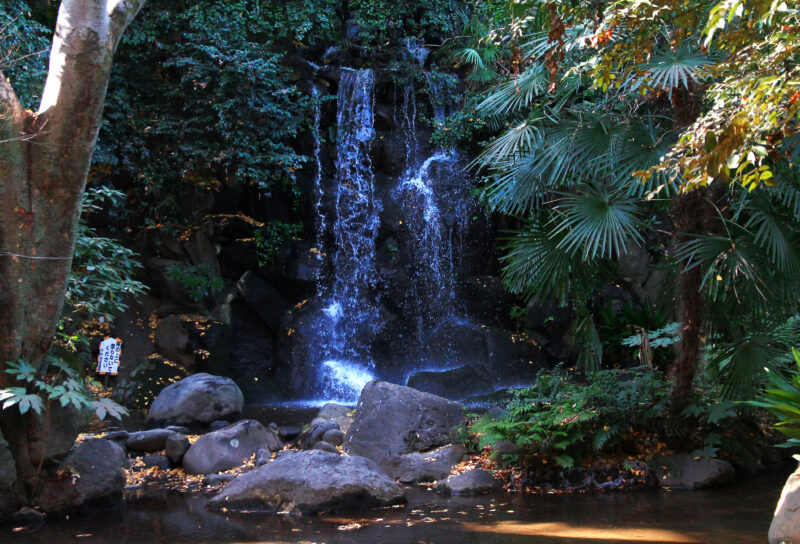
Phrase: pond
(734, 515)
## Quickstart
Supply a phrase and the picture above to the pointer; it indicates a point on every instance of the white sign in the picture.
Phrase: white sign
(108, 360)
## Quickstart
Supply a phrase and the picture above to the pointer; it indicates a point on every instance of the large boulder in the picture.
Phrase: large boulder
(229, 447)
(392, 421)
(310, 483)
(683, 471)
(100, 466)
(785, 525)
(200, 398)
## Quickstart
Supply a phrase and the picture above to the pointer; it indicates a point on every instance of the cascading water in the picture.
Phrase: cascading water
(386, 284)
(349, 319)
(426, 188)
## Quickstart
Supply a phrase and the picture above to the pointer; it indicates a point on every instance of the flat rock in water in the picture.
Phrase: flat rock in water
(311, 482)
(200, 398)
(682, 471)
(157, 461)
(227, 448)
(472, 482)
(785, 526)
(392, 421)
(421, 467)
(148, 441)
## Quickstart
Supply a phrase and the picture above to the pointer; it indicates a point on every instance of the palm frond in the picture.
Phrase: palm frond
(517, 94)
(598, 224)
(670, 69)
(536, 267)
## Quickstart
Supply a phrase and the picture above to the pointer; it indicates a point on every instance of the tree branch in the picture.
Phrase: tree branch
(121, 13)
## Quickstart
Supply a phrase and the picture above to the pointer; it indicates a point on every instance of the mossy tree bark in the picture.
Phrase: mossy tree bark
(44, 161)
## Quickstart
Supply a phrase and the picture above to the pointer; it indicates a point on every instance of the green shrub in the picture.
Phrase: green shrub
(567, 421)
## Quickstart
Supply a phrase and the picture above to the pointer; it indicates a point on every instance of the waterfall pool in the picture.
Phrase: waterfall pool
(733, 515)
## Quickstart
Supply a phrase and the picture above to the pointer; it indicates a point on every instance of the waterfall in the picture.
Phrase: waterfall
(427, 187)
(319, 191)
(349, 319)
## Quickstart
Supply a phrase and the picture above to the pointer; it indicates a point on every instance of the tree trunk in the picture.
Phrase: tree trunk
(44, 161)
(692, 213)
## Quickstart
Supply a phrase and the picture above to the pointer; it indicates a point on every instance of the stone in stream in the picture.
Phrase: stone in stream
(394, 424)
(148, 441)
(419, 467)
(100, 466)
(785, 526)
(176, 447)
(218, 424)
(156, 461)
(683, 471)
(324, 446)
(338, 413)
(200, 398)
(316, 431)
(311, 482)
(229, 447)
(472, 482)
(288, 433)
(335, 437)
(263, 457)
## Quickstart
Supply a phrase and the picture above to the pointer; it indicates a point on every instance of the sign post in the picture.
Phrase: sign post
(108, 358)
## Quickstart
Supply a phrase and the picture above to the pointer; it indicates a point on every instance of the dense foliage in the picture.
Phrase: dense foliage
(604, 116)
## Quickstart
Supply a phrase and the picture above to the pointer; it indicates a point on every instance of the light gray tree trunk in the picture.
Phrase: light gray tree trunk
(44, 162)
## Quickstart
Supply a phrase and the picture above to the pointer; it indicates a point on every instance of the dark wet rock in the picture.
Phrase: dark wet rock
(310, 483)
(226, 448)
(8, 478)
(180, 429)
(117, 436)
(52, 435)
(289, 433)
(156, 461)
(28, 517)
(393, 420)
(100, 466)
(218, 479)
(502, 448)
(682, 471)
(176, 447)
(334, 437)
(472, 482)
(172, 340)
(430, 466)
(315, 432)
(513, 359)
(148, 441)
(487, 299)
(785, 526)
(218, 424)
(200, 398)
(263, 457)
(325, 446)
(456, 383)
(263, 299)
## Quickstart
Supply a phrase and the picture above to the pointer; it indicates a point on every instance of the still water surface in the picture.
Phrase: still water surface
(733, 515)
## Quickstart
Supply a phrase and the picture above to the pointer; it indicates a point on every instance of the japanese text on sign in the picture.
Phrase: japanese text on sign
(108, 360)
